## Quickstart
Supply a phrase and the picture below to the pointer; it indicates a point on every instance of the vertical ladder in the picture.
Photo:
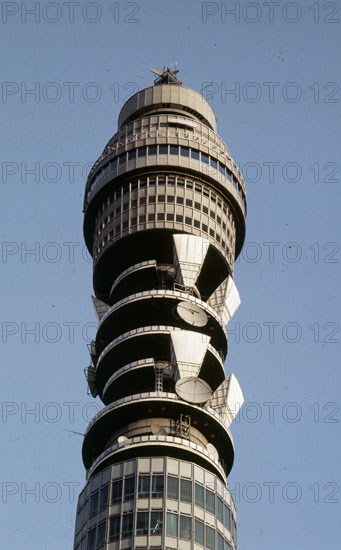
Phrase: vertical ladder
(158, 379)
(183, 426)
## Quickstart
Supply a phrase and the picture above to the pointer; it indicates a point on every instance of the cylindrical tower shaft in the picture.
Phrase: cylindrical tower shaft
(164, 219)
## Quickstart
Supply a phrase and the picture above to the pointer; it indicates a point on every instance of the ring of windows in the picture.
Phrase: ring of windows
(157, 202)
(120, 163)
(126, 517)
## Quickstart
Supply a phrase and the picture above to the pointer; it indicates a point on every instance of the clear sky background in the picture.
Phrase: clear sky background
(282, 125)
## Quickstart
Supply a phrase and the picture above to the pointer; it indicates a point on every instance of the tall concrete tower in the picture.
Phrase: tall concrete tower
(164, 219)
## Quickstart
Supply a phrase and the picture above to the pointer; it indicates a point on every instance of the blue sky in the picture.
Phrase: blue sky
(271, 74)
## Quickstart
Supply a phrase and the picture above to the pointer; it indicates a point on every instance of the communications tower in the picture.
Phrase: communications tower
(164, 220)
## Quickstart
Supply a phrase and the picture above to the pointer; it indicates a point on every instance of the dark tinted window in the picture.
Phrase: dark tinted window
(173, 487)
(114, 528)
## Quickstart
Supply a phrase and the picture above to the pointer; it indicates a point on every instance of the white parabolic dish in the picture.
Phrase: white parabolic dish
(193, 390)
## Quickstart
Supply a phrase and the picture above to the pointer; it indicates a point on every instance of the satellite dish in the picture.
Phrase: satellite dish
(158, 430)
(194, 390)
(192, 314)
(122, 439)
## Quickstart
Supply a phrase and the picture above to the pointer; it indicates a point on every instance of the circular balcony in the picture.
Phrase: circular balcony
(154, 244)
(154, 445)
(142, 276)
(159, 307)
(138, 344)
(149, 405)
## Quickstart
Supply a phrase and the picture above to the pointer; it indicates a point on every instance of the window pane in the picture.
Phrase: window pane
(101, 535)
(185, 490)
(227, 517)
(234, 530)
(85, 511)
(132, 154)
(204, 158)
(184, 151)
(210, 538)
(220, 542)
(94, 504)
(91, 540)
(174, 150)
(142, 523)
(220, 511)
(142, 151)
(213, 163)
(152, 149)
(104, 497)
(121, 159)
(116, 491)
(127, 525)
(156, 523)
(194, 154)
(163, 149)
(199, 495)
(114, 528)
(199, 532)
(173, 487)
(185, 527)
(172, 525)
(144, 486)
(209, 501)
(157, 486)
(129, 488)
